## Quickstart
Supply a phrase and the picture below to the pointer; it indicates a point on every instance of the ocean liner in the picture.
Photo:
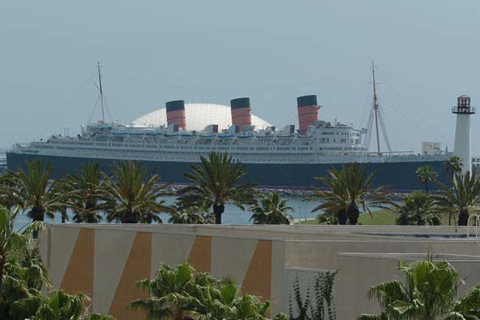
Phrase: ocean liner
(275, 157)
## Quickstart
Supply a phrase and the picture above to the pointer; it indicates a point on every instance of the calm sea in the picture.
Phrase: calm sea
(232, 215)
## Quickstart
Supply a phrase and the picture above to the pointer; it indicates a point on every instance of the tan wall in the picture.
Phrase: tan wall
(359, 272)
(323, 254)
(105, 262)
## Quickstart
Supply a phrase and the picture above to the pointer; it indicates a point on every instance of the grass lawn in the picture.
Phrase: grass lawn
(378, 218)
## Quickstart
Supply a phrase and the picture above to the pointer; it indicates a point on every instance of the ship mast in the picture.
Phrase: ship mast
(375, 109)
(101, 92)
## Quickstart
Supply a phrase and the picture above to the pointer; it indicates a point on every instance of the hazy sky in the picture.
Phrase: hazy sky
(427, 54)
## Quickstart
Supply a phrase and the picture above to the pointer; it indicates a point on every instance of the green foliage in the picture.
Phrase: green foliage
(181, 293)
(22, 274)
(348, 190)
(191, 214)
(131, 195)
(426, 175)
(302, 307)
(428, 292)
(216, 182)
(85, 193)
(56, 306)
(32, 190)
(323, 305)
(453, 165)
(462, 197)
(327, 218)
(8, 198)
(418, 209)
(271, 209)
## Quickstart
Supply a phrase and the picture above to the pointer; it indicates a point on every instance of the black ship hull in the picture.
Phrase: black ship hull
(399, 176)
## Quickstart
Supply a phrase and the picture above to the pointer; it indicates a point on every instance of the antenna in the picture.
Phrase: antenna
(375, 109)
(101, 92)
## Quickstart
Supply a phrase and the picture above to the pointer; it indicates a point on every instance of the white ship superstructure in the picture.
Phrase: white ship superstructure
(324, 142)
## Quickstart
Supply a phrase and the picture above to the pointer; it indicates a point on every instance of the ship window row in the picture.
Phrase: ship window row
(327, 140)
(256, 142)
(171, 147)
(331, 148)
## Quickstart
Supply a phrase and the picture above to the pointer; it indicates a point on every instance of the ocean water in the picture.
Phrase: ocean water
(232, 214)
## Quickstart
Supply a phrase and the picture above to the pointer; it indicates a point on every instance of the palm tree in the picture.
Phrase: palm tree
(462, 197)
(272, 209)
(429, 292)
(216, 183)
(348, 190)
(453, 165)
(131, 196)
(8, 199)
(169, 296)
(85, 193)
(33, 190)
(180, 293)
(426, 175)
(224, 301)
(11, 241)
(418, 209)
(21, 271)
(56, 306)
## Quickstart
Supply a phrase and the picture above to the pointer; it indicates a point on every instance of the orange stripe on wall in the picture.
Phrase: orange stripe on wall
(78, 277)
(201, 254)
(258, 278)
(136, 268)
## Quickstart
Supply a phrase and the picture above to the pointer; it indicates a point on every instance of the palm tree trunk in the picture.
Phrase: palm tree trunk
(353, 213)
(218, 211)
(342, 217)
(426, 187)
(463, 217)
(90, 215)
(37, 214)
(129, 218)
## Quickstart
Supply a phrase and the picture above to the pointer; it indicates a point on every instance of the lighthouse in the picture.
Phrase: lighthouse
(463, 146)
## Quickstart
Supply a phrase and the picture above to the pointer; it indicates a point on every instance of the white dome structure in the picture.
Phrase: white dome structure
(199, 115)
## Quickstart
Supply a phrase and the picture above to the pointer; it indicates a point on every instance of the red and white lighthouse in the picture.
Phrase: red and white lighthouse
(463, 145)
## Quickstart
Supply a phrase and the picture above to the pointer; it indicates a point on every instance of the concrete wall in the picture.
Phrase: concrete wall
(322, 254)
(358, 272)
(105, 262)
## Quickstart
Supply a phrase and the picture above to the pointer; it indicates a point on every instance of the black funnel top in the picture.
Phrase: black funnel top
(240, 103)
(175, 105)
(304, 101)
